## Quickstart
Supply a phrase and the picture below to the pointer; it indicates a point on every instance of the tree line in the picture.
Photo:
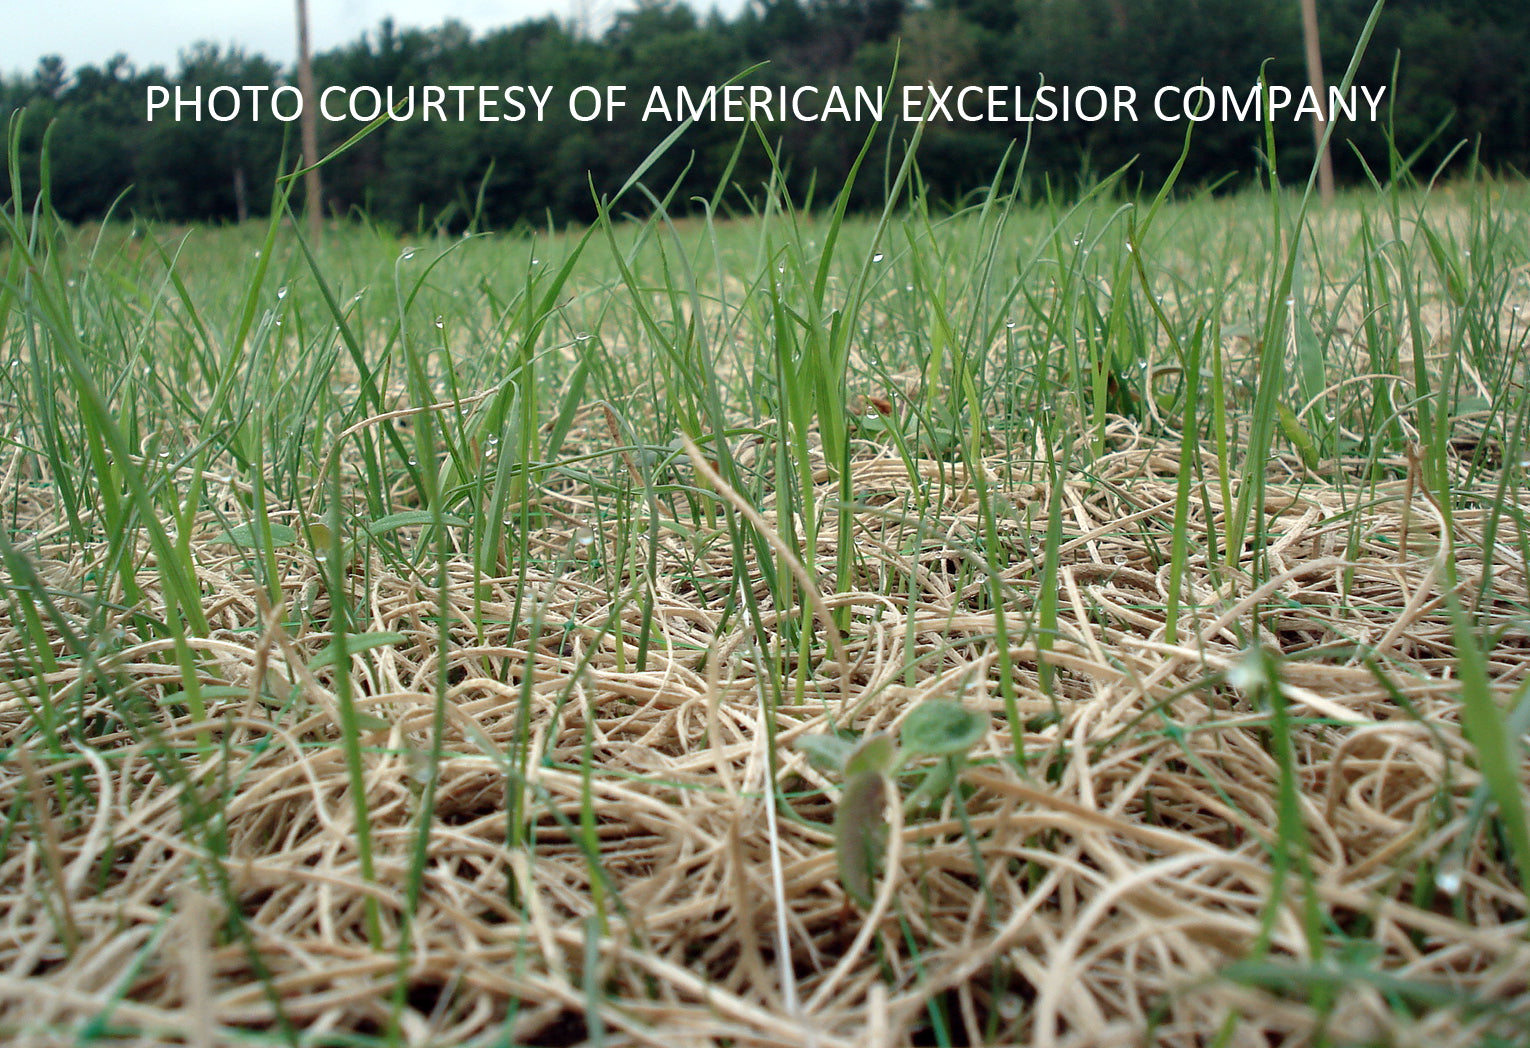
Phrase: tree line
(1454, 70)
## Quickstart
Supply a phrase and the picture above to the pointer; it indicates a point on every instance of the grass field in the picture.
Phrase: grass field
(414, 641)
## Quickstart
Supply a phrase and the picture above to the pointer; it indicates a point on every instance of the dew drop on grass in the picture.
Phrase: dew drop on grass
(281, 292)
(1120, 560)
(1010, 324)
(407, 254)
(536, 261)
(581, 336)
(877, 257)
(440, 322)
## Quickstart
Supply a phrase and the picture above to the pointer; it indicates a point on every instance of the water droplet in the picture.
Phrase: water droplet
(581, 336)
(877, 257)
(1078, 240)
(165, 453)
(1010, 324)
(281, 292)
(908, 287)
(493, 441)
(466, 235)
(1247, 673)
(440, 323)
(407, 254)
(69, 282)
(1120, 559)
(414, 461)
(278, 321)
(536, 261)
(1290, 301)
(257, 252)
(1129, 248)
(1448, 880)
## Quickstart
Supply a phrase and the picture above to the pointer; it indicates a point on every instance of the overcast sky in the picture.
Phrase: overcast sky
(153, 32)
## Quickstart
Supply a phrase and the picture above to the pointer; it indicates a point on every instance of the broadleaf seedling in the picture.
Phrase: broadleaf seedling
(936, 728)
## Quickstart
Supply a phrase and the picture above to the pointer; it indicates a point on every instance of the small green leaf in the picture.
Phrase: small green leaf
(932, 789)
(319, 535)
(940, 727)
(370, 722)
(248, 535)
(208, 691)
(414, 518)
(827, 753)
(875, 755)
(860, 833)
(1472, 405)
(355, 642)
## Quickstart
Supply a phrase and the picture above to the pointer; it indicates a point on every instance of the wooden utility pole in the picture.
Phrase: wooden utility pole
(1320, 118)
(313, 191)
